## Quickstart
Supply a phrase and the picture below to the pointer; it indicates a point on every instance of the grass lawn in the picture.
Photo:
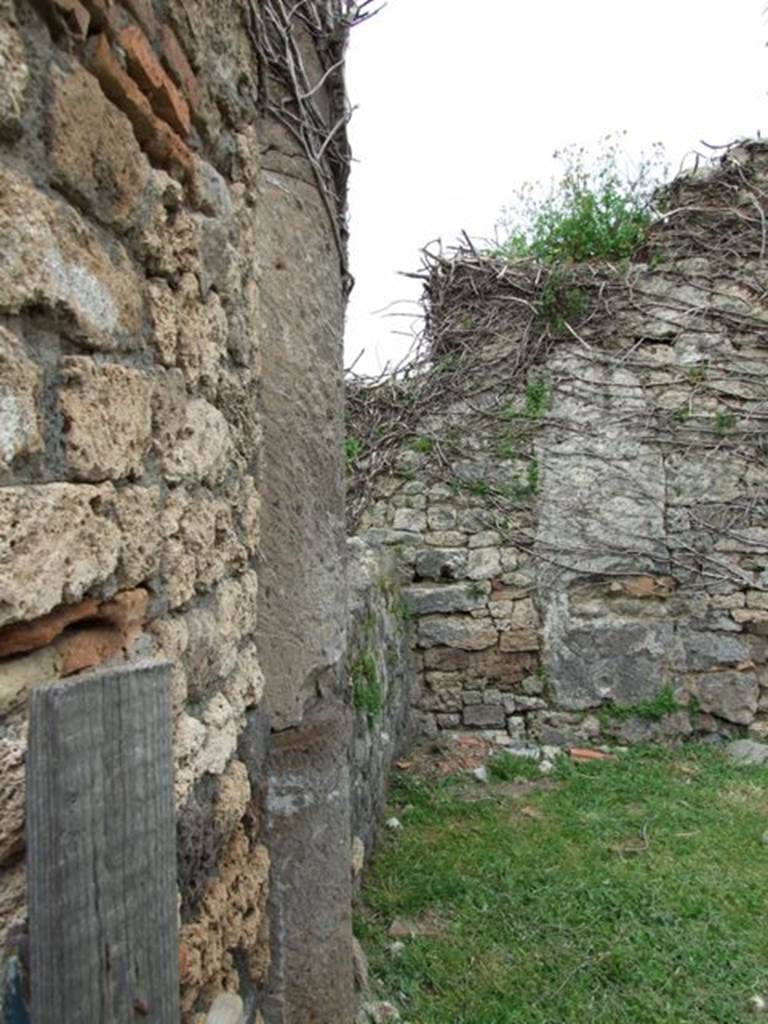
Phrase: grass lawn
(629, 891)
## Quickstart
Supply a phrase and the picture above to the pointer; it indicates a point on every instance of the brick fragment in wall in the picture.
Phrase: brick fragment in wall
(154, 81)
(107, 416)
(179, 67)
(42, 525)
(161, 143)
(20, 388)
(54, 261)
(93, 153)
(14, 77)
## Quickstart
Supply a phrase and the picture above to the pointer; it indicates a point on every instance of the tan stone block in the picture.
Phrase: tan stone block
(244, 687)
(107, 419)
(202, 342)
(54, 261)
(164, 312)
(169, 401)
(138, 514)
(204, 449)
(13, 899)
(14, 76)
(756, 599)
(250, 514)
(19, 675)
(93, 151)
(232, 917)
(742, 615)
(56, 544)
(20, 386)
(519, 640)
(12, 792)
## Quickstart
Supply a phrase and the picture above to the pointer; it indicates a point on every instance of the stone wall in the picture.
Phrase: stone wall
(581, 523)
(171, 304)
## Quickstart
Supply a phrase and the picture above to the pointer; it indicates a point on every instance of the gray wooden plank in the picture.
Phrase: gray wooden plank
(101, 849)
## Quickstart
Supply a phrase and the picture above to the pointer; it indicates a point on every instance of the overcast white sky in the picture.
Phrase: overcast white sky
(459, 103)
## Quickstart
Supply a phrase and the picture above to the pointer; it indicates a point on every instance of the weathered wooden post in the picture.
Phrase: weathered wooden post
(101, 850)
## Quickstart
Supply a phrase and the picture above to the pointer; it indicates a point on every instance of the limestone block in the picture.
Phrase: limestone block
(457, 631)
(484, 716)
(472, 697)
(729, 695)
(244, 687)
(436, 563)
(485, 539)
(446, 659)
(107, 419)
(204, 448)
(14, 75)
(483, 563)
(20, 385)
(51, 259)
(423, 599)
(442, 517)
(94, 156)
(410, 520)
(202, 337)
(443, 681)
(755, 599)
(12, 793)
(693, 479)
(18, 675)
(232, 920)
(13, 899)
(138, 513)
(445, 539)
(63, 528)
(705, 651)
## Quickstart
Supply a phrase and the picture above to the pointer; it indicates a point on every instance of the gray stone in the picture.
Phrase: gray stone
(483, 563)
(747, 752)
(441, 517)
(448, 721)
(472, 697)
(703, 651)
(484, 716)
(457, 631)
(729, 695)
(485, 539)
(441, 563)
(423, 599)
(516, 727)
(491, 696)
(409, 520)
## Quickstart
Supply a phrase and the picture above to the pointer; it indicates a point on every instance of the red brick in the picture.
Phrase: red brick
(28, 636)
(84, 648)
(144, 66)
(120, 88)
(179, 67)
(167, 150)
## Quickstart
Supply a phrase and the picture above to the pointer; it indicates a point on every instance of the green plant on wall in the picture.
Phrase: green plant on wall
(366, 687)
(597, 209)
(536, 398)
(653, 709)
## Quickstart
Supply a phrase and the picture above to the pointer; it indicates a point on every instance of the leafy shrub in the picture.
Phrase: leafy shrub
(595, 211)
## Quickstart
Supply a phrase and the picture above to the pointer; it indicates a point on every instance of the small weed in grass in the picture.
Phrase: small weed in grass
(423, 445)
(352, 449)
(505, 767)
(724, 421)
(633, 896)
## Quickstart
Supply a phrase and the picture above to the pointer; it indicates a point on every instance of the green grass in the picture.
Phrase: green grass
(653, 709)
(634, 892)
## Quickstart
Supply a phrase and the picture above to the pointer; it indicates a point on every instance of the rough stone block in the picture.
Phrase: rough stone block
(52, 260)
(107, 419)
(18, 674)
(448, 721)
(442, 517)
(504, 669)
(14, 76)
(485, 539)
(457, 631)
(43, 525)
(424, 599)
(20, 386)
(704, 651)
(138, 514)
(12, 760)
(204, 448)
(436, 563)
(410, 520)
(729, 695)
(446, 659)
(483, 563)
(484, 716)
(93, 152)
